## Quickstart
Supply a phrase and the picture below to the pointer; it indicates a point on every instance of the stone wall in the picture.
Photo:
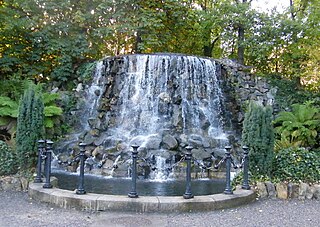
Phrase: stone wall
(19, 183)
(13, 183)
(241, 86)
(288, 190)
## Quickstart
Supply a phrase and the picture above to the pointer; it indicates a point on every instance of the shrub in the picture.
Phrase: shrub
(299, 126)
(8, 159)
(297, 164)
(258, 135)
(30, 128)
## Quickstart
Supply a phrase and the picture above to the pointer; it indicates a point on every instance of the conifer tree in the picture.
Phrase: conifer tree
(258, 135)
(29, 128)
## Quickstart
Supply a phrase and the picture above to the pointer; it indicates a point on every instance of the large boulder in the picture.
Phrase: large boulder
(169, 142)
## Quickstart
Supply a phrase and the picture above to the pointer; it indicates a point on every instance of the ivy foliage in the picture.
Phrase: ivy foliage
(296, 165)
(258, 135)
(8, 159)
(30, 128)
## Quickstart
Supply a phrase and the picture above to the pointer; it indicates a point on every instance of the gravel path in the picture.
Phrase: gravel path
(17, 209)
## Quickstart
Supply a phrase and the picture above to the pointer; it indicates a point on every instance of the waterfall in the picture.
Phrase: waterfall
(160, 102)
(161, 171)
(153, 87)
(93, 94)
(115, 165)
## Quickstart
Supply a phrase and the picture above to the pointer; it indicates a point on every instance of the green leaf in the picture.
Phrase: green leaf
(48, 123)
(49, 98)
(50, 111)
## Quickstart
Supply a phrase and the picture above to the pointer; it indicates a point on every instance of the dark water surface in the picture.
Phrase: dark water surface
(122, 186)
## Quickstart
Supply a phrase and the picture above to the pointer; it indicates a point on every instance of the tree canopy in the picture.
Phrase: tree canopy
(46, 40)
(54, 43)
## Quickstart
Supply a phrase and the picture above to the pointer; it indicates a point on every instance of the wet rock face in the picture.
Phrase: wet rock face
(164, 103)
(156, 98)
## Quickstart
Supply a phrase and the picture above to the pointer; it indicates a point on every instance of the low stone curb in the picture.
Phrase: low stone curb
(164, 204)
(13, 183)
(288, 190)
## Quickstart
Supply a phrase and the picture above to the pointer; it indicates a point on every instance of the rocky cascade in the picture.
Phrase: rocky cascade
(161, 102)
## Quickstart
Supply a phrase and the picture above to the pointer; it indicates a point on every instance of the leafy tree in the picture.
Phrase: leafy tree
(169, 26)
(258, 135)
(29, 128)
(42, 39)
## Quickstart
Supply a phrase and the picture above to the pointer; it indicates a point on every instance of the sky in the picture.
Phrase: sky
(265, 5)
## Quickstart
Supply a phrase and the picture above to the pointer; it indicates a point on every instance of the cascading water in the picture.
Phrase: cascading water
(92, 96)
(161, 170)
(154, 87)
(161, 102)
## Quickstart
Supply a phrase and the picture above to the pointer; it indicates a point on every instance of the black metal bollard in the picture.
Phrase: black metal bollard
(228, 189)
(48, 153)
(245, 183)
(38, 179)
(80, 190)
(133, 193)
(188, 194)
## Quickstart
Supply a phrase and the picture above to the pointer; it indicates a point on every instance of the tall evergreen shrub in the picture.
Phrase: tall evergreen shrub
(258, 135)
(29, 128)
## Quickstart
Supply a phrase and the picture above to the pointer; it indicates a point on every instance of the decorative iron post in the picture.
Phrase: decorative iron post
(245, 183)
(38, 179)
(133, 193)
(188, 194)
(228, 189)
(80, 190)
(48, 153)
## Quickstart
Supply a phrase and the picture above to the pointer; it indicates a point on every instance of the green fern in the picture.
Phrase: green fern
(48, 122)
(51, 111)
(300, 125)
(50, 98)
(285, 143)
(8, 107)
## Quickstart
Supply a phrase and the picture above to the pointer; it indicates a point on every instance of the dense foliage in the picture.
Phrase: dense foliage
(43, 39)
(300, 126)
(8, 159)
(30, 128)
(297, 164)
(258, 135)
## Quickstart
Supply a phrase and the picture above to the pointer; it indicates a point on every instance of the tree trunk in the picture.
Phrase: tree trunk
(207, 49)
(137, 49)
(293, 15)
(241, 41)
(240, 45)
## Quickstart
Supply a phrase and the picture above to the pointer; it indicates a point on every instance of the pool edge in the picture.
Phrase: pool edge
(163, 204)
